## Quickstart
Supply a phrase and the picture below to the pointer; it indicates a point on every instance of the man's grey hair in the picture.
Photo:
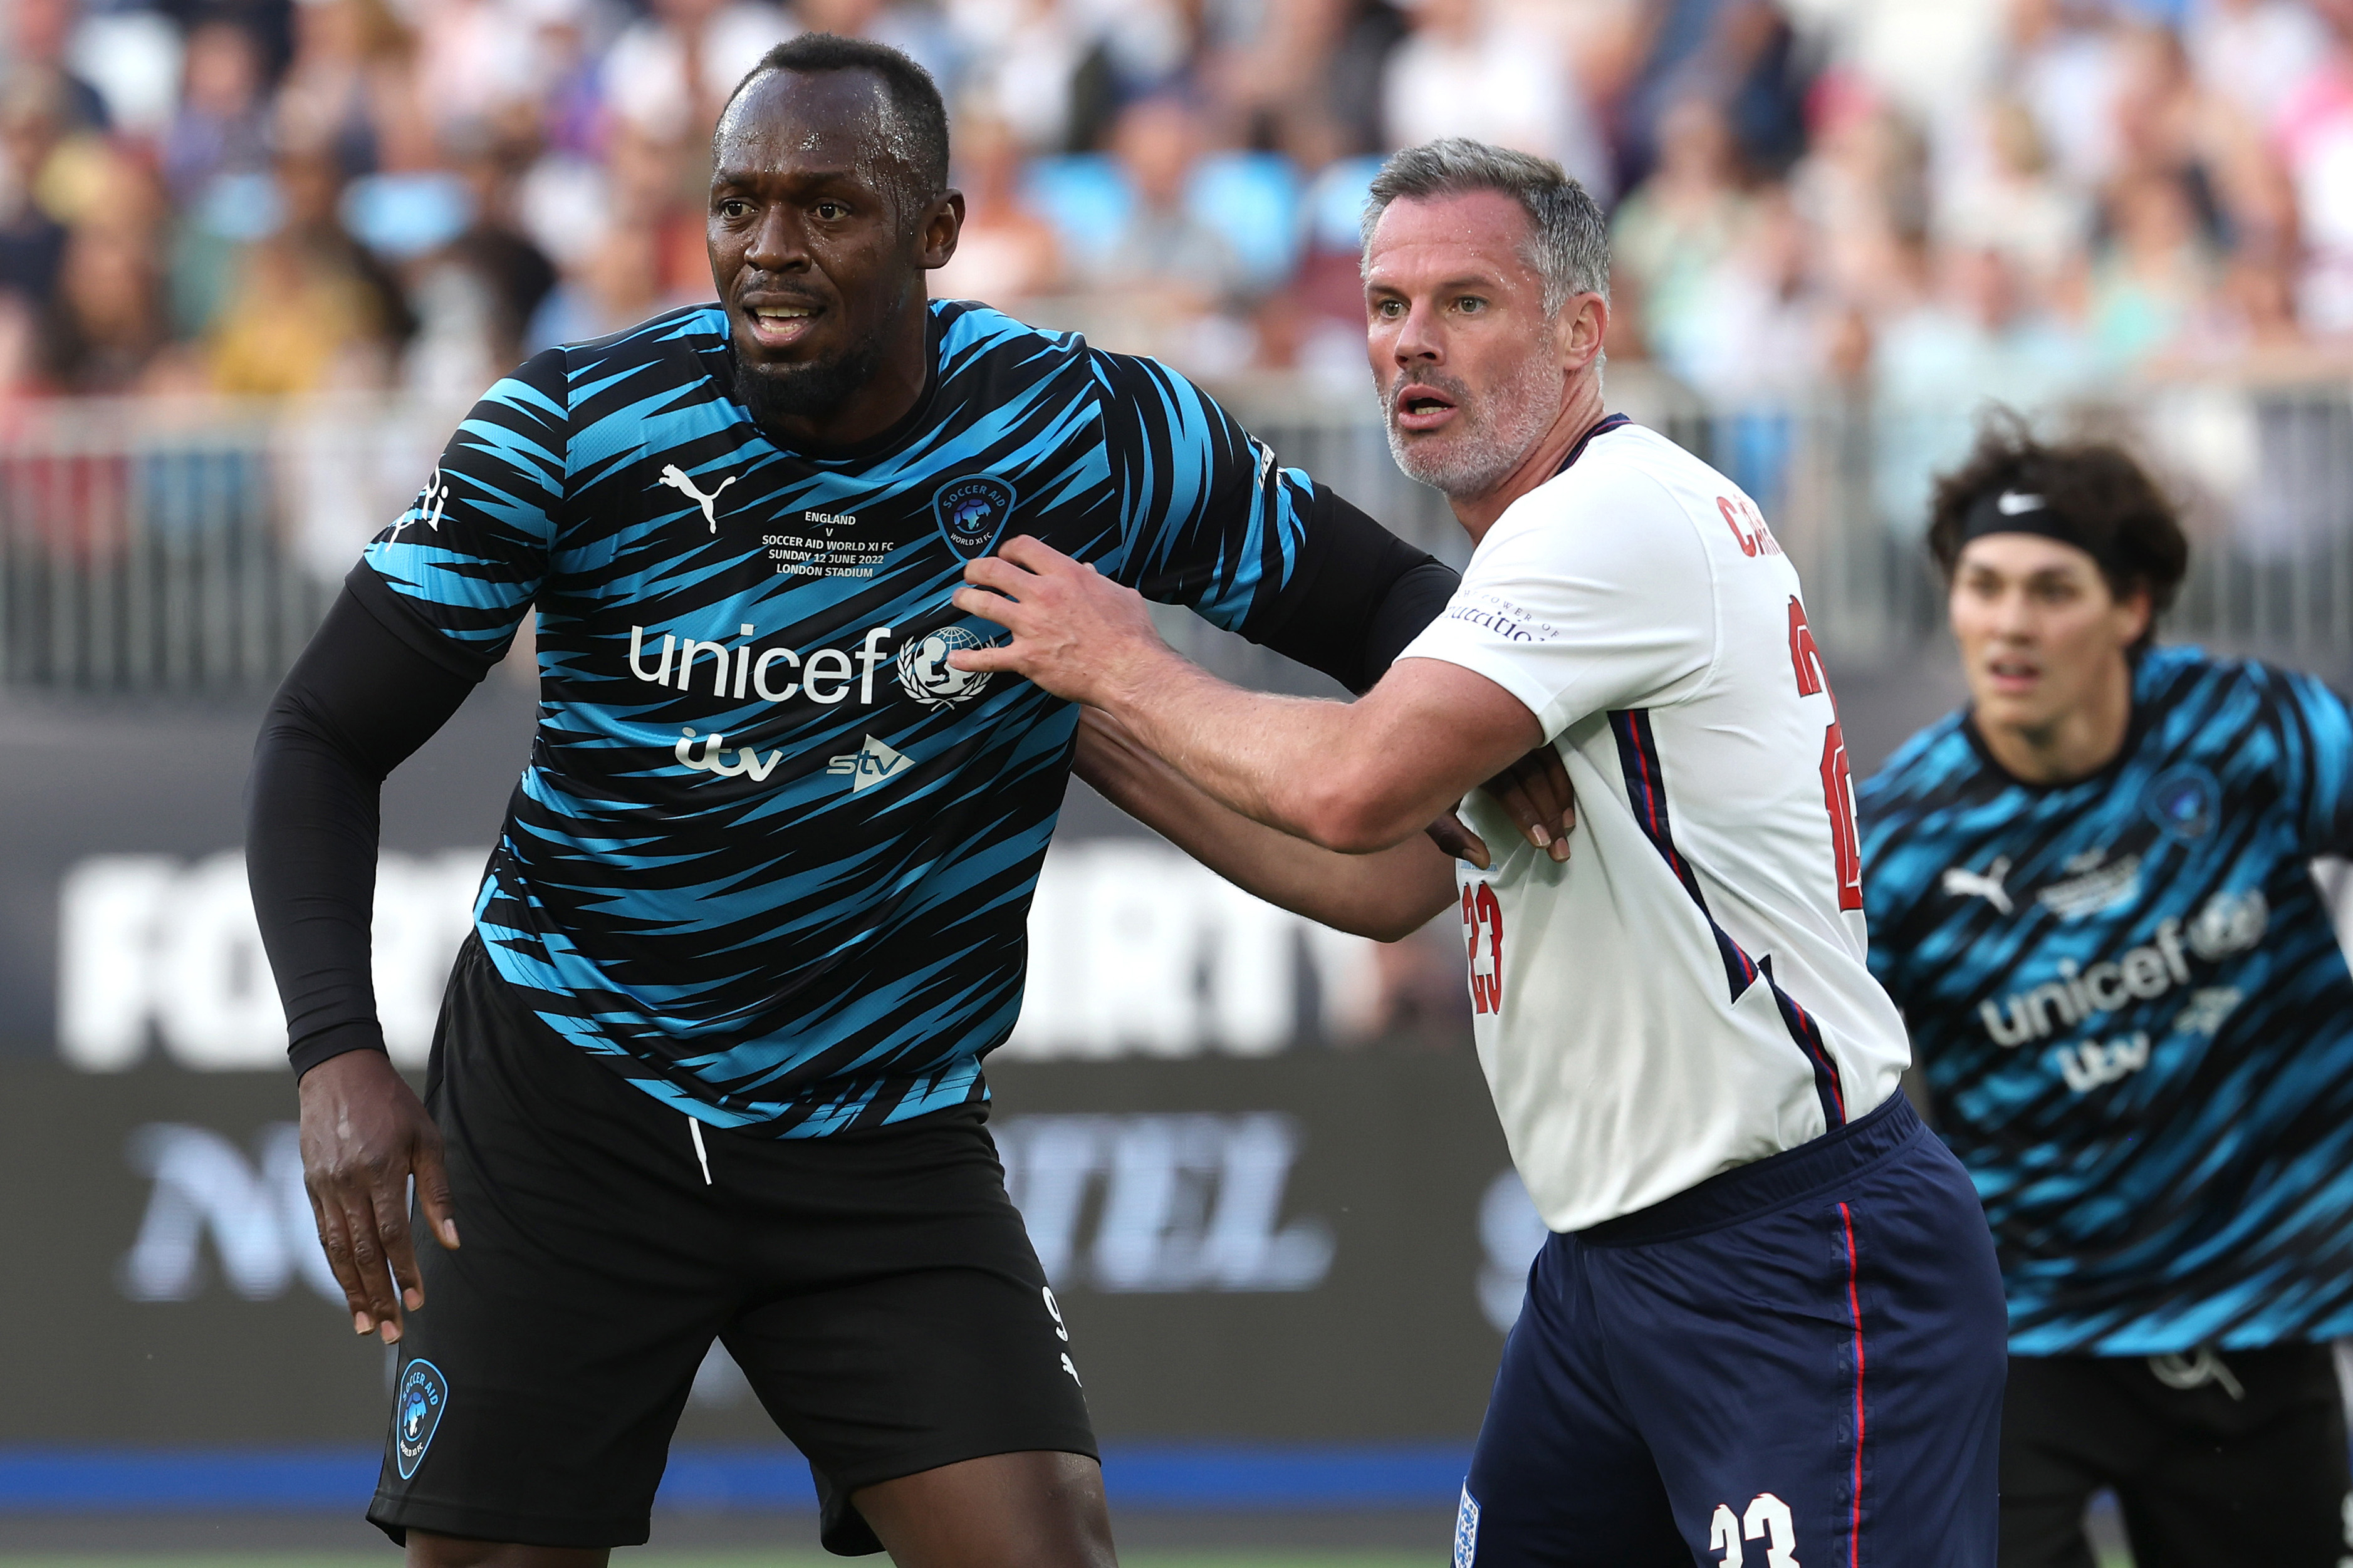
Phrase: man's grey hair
(1570, 245)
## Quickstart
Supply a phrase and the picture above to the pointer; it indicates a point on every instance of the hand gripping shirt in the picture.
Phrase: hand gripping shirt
(772, 854)
(1688, 992)
(2132, 1011)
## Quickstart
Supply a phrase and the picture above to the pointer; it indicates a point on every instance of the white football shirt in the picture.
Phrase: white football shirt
(1688, 993)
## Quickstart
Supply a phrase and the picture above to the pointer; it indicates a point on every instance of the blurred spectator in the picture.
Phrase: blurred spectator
(2067, 67)
(566, 79)
(2242, 50)
(1937, 199)
(915, 30)
(1979, 338)
(350, 91)
(2161, 120)
(1862, 189)
(615, 284)
(1144, 46)
(1760, 327)
(2151, 277)
(1007, 254)
(19, 348)
(32, 240)
(1671, 234)
(1168, 262)
(1463, 72)
(480, 58)
(222, 126)
(2012, 201)
(107, 322)
(2250, 320)
(1741, 56)
(475, 300)
(610, 288)
(1026, 60)
(38, 33)
(309, 308)
(667, 75)
(2315, 131)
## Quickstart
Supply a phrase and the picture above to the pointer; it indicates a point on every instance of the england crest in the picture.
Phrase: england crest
(971, 513)
(416, 1413)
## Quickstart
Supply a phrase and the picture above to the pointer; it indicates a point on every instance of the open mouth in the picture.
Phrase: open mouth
(1422, 408)
(776, 324)
(2014, 674)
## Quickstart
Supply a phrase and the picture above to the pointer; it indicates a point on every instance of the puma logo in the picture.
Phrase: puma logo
(676, 478)
(1986, 885)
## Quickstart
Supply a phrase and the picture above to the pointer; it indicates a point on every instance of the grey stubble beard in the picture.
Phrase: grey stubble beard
(1501, 428)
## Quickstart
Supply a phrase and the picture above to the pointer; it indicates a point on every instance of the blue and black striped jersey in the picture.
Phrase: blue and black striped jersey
(2135, 1021)
(772, 854)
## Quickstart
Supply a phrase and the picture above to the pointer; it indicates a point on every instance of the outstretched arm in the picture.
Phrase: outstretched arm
(1385, 896)
(1355, 778)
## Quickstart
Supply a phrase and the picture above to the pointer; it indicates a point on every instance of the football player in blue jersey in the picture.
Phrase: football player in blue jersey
(2091, 892)
(708, 1065)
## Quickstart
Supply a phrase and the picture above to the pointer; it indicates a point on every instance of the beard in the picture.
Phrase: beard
(775, 392)
(1493, 432)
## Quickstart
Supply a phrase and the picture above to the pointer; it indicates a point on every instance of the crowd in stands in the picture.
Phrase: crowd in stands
(1936, 199)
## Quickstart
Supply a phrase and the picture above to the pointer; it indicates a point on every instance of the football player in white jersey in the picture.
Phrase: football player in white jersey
(1768, 1328)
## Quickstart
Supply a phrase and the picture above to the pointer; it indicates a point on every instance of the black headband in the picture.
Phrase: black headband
(2024, 512)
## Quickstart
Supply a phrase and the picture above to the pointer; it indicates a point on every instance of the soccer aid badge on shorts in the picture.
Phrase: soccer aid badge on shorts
(416, 1415)
(971, 513)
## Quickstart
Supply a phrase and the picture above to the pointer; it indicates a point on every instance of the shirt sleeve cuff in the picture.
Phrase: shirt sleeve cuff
(340, 1040)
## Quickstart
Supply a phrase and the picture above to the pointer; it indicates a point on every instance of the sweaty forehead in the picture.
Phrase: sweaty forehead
(1444, 237)
(787, 122)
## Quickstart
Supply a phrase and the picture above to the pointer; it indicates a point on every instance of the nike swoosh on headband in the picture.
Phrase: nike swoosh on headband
(2013, 503)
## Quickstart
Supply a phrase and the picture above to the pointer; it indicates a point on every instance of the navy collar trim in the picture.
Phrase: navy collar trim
(1609, 423)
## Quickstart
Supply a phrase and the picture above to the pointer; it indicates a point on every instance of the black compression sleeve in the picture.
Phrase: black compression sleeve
(1358, 596)
(358, 701)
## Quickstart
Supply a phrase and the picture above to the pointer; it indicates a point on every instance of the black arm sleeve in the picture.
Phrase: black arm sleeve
(369, 690)
(1357, 596)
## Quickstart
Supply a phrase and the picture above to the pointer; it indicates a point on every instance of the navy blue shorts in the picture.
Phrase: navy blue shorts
(1797, 1363)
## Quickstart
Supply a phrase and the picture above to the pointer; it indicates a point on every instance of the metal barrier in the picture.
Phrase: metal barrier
(186, 546)
(191, 546)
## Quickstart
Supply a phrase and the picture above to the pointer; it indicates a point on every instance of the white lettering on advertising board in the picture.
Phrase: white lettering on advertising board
(1135, 950)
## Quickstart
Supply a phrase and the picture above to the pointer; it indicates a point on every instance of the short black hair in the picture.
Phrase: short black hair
(2098, 488)
(920, 134)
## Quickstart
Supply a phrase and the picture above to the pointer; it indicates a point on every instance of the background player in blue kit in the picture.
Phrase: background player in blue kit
(709, 1067)
(2090, 893)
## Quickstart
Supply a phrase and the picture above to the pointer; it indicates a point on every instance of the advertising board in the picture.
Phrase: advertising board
(1272, 1214)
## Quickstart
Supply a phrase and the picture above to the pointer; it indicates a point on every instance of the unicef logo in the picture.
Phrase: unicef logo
(2229, 924)
(925, 674)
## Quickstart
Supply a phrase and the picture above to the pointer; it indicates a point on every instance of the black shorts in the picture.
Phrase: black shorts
(876, 1287)
(2234, 1459)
